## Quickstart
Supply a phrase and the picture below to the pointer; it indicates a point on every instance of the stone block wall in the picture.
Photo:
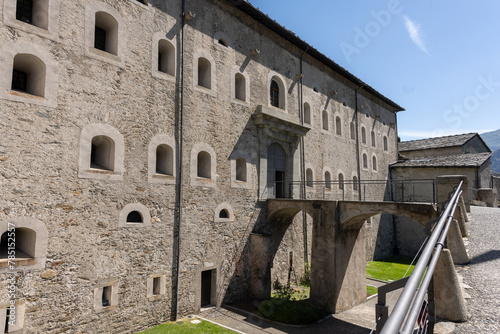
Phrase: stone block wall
(100, 270)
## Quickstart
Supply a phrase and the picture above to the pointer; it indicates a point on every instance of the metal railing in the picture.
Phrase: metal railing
(411, 301)
(417, 190)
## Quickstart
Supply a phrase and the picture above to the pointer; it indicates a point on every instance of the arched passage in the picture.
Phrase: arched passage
(338, 251)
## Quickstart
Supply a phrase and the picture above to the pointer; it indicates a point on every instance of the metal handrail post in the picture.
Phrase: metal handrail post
(399, 312)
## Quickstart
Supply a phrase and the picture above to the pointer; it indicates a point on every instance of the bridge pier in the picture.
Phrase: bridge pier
(338, 264)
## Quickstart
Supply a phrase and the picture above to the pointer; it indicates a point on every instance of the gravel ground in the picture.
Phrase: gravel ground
(482, 275)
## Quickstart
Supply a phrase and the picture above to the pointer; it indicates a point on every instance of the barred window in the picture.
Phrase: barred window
(24, 11)
(275, 94)
(19, 80)
(100, 39)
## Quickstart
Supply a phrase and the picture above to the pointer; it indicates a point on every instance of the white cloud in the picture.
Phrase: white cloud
(415, 33)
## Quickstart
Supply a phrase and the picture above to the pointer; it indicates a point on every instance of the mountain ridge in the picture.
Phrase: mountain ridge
(492, 139)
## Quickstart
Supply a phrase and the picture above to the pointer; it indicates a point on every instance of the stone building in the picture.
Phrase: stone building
(426, 159)
(139, 143)
(465, 154)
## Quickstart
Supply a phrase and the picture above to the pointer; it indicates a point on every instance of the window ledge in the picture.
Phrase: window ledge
(209, 91)
(203, 182)
(100, 174)
(18, 261)
(240, 102)
(163, 176)
(163, 75)
(104, 56)
(26, 95)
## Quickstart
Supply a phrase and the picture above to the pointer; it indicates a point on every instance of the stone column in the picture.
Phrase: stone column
(450, 303)
(445, 185)
(456, 245)
(323, 290)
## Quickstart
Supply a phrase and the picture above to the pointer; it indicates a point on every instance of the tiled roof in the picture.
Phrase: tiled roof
(459, 160)
(438, 142)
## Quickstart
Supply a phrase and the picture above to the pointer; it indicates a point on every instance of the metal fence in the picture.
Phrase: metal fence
(412, 313)
(418, 190)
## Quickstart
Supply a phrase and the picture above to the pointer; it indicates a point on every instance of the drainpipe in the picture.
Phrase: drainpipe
(302, 158)
(179, 169)
(357, 139)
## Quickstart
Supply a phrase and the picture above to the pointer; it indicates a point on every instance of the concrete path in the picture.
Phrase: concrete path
(482, 275)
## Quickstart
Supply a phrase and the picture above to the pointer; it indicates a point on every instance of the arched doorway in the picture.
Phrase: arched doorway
(276, 168)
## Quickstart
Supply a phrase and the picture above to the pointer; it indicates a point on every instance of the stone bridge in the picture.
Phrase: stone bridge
(338, 265)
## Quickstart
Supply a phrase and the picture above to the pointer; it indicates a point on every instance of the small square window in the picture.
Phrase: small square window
(156, 285)
(106, 296)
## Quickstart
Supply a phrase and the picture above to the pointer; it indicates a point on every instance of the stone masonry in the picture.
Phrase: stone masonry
(91, 167)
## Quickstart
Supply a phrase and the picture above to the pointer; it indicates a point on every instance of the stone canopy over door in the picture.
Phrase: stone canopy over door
(279, 136)
(276, 170)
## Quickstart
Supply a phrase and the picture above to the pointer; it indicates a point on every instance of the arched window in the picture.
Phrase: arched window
(164, 160)
(102, 155)
(363, 135)
(309, 177)
(224, 214)
(385, 143)
(373, 138)
(341, 181)
(275, 94)
(28, 75)
(30, 244)
(25, 240)
(241, 170)
(106, 33)
(365, 161)
(328, 180)
(355, 183)
(374, 163)
(166, 57)
(240, 87)
(204, 165)
(352, 130)
(223, 42)
(134, 217)
(307, 113)
(338, 125)
(101, 149)
(325, 120)
(204, 73)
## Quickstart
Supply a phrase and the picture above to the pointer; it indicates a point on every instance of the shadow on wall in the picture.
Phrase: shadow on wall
(385, 242)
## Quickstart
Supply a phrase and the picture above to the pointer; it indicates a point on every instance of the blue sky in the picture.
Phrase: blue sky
(440, 60)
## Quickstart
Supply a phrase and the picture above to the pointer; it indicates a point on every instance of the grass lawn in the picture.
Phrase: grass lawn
(371, 290)
(290, 305)
(185, 326)
(390, 269)
(295, 312)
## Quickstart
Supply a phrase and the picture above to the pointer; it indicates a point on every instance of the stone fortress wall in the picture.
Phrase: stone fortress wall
(124, 106)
